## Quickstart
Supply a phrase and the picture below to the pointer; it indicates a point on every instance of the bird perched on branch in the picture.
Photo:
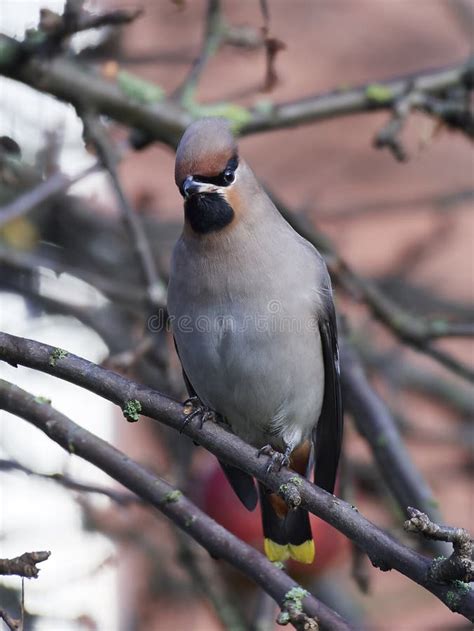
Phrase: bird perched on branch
(253, 319)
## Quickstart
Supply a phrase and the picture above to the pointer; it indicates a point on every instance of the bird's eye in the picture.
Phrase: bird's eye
(229, 176)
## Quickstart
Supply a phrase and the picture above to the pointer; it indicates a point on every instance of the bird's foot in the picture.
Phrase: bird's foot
(277, 460)
(194, 407)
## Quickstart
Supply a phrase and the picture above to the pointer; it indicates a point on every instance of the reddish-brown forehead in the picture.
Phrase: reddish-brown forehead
(205, 148)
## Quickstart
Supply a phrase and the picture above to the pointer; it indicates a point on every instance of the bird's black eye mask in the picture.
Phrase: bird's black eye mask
(225, 178)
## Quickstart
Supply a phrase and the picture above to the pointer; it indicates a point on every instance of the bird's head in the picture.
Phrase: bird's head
(207, 174)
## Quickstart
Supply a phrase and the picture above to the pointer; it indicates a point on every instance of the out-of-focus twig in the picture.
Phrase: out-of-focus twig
(123, 293)
(360, 569)
(13, 624)
(155, 287)
(54, 185)
(75, 21)
(210, 584)
(441, 203)
(265, 613)
(374, 422)
(67, 482)
(213, 36)
(389, 135)
(273, 46)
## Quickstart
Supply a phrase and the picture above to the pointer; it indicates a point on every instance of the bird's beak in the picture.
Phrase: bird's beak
(192, 187)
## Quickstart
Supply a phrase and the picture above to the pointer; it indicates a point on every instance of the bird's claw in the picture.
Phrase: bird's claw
(277, 460)
(194, 407)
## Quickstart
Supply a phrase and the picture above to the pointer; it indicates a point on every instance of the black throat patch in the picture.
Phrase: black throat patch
(207, 212)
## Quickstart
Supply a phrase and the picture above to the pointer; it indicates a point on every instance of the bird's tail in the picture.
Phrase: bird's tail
(287, 532)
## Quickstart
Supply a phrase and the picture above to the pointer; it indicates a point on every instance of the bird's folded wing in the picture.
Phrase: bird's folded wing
(327, 435)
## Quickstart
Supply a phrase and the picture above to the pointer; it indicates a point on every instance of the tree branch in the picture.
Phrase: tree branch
(214, 32)
(360, 99)
(24, 565)
(165, 121)
(13, 624)
(460, 565)
(79, 85)
(54, 185)
(95, 134)
(377, 426)
(168, 500)
(57, 27)
(384, 551)
(123, 293)
(123, 499)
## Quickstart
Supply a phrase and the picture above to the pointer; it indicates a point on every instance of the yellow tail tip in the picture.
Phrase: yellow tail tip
(303, 553)
(275, 551)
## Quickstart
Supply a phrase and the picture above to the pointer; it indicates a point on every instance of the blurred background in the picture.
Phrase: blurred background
(69, 277)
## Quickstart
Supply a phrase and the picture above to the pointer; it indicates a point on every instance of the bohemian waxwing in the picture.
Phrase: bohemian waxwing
(253, 319)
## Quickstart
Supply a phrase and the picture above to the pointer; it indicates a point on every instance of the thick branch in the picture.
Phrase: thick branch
(24, 565)
(78, 85)
(168, 500)
(382, 549)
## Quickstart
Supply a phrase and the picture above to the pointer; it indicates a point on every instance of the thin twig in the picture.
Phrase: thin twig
(115, 289)
(22, 602)
(389, 135)
(212, 39)
(360, 569)
(95, 133)
(375, 423)
(121, 498)
(273, 46)
(407, 375)
(55, 185)
(441, 203)
(13, 624)
(210, 585)
(265, 613)
(59, 27)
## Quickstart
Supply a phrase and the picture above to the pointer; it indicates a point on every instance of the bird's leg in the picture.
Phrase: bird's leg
(277, 459)
(193, 407)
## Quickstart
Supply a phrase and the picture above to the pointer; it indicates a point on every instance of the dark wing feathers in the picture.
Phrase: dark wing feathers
(327, 436)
